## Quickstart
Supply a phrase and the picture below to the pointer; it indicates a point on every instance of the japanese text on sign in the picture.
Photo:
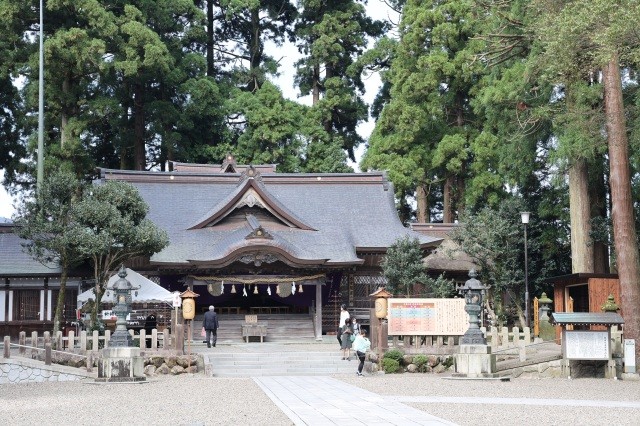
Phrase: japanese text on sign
(429, 317)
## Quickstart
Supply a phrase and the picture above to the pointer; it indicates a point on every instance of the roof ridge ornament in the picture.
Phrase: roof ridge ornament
(251, 173)
(257, 230)
(229, 164)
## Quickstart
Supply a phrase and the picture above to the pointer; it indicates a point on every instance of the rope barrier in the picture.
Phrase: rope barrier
(232, 279)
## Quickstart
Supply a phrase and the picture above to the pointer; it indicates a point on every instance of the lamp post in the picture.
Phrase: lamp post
(525, 221)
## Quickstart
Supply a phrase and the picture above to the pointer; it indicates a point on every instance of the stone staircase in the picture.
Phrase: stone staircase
(278, 364)
(280, 328)
(539, 356)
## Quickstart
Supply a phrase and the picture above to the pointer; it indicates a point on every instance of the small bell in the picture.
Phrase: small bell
(255, 289)
(233, 289)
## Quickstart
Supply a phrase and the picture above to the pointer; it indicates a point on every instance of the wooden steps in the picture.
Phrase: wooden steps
(280, 327)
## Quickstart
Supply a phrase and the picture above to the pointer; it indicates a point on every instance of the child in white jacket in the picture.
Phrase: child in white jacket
(361, 346)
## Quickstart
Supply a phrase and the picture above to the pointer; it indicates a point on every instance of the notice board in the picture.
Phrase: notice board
(427, 317)
(586, 344)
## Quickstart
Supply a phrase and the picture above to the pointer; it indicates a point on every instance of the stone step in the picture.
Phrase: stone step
(281, 363)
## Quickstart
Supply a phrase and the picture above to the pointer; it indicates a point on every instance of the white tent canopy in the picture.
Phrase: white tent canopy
(149, 292)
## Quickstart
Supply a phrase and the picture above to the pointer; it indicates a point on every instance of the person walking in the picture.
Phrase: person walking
(210, 325)
(344, 315)
(347, 332)
(361, 345)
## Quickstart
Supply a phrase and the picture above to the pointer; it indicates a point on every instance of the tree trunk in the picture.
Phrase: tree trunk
(580, 212)
(598, 200)
(316, 85)
(422, 202)
(138, 111)
(60, 302)
(624, 232)
(255, 51)
(210, 59)
(447, 214)
(64, 116)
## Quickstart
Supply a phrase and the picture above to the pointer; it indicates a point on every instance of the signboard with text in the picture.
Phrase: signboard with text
(586, 345)
(427, 317)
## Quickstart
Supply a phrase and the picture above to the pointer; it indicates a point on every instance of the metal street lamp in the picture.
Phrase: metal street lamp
(525, 221)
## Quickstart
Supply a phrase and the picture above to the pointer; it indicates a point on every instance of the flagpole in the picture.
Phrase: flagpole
(40, 164)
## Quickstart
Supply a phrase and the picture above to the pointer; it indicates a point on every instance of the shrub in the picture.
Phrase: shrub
(390, 365)
(448, 362)
(395, 354)
(421, 362)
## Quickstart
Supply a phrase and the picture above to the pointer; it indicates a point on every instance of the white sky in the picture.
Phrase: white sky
(376, 9)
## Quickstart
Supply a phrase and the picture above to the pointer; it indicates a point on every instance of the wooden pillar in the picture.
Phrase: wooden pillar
(318, 325)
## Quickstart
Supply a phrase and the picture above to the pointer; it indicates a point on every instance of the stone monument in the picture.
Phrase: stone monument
(121, 360)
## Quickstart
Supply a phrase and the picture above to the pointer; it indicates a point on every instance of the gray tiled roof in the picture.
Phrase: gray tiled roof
(348, 212)
(14, 261)
(586, 318)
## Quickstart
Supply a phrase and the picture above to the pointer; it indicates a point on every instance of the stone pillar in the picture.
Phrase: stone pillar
(7, 347)
(121, 364)
(475, 361)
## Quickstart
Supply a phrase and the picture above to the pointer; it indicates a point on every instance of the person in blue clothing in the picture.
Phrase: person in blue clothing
(361, 345)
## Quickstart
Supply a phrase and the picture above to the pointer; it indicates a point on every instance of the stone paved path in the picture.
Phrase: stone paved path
(326, 401)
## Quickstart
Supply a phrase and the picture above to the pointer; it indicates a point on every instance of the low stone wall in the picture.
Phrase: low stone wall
(410, 364)
(172, 364)
(24, 371)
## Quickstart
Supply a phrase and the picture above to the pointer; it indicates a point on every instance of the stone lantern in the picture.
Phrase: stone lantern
(122, 289)
(121, 361)
(547, 330)
(473, 291)
(475, 358)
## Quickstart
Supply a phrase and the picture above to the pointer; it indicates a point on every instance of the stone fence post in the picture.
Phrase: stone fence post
(22, 341)
(34, 344)
(7, 347)
(47, 353)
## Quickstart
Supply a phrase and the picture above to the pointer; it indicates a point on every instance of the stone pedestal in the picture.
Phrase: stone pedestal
(121, 364)
(475, 361)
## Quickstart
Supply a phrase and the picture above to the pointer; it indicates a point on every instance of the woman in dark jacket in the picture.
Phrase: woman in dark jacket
(347, 332)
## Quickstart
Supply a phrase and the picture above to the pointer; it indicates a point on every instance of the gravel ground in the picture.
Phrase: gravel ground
(501, 414)
(196, 400)
(171, 400)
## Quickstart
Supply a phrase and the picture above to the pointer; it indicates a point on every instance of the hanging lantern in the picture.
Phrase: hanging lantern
(188, 304)
(269, 290)
(233, 288)
(300, 289)
(255, 289)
